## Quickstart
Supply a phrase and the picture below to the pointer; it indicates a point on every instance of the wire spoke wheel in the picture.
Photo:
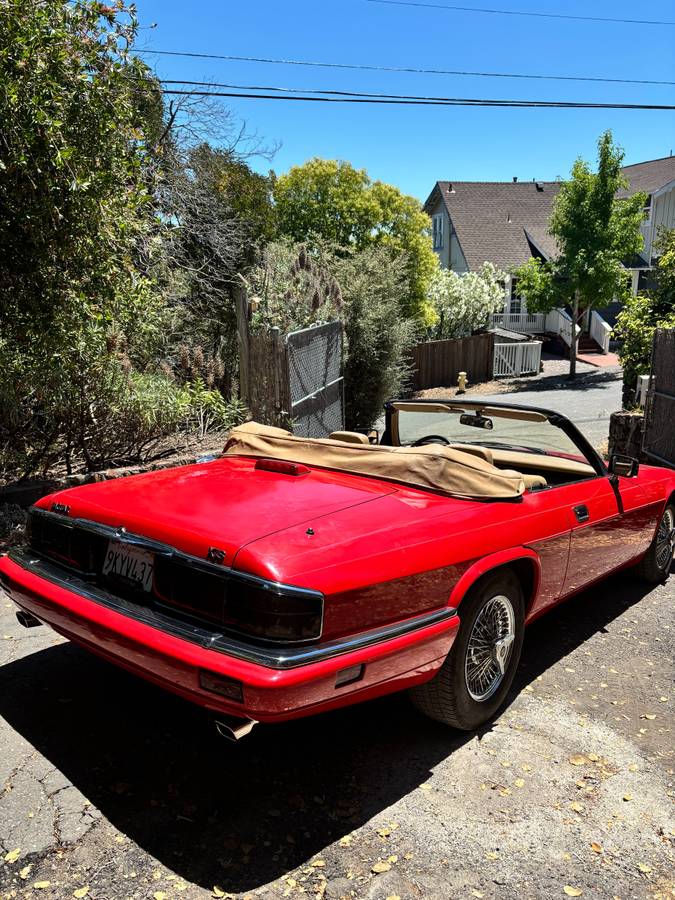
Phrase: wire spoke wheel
(489, 648)
(665, 539)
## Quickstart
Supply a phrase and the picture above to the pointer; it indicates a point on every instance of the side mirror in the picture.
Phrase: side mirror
(626, 466)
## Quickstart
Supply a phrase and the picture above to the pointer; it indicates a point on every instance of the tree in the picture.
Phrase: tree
(464, 302)
(643, 313)
(341, 204)
(595, 232)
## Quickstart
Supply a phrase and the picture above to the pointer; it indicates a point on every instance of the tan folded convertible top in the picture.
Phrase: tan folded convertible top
(431, 466)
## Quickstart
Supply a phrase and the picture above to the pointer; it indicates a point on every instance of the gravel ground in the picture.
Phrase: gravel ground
(114, 789)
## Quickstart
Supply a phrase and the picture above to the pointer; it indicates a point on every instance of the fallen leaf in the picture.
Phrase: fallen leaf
(346, 841)
(384, 832)
(13, 855)
(392, 859)
(81, 892)
(393, 897)
(663, 699)
(425, 787)
(577, 807)
(475, 893)
(318, 864)
(41, 885)
(217, 891)
(595, 847)
(380, 866)
(627, 797)
(643, 867)
(492, 855)
(572, 891)
(25, 872)
(578, 760)
(649, 716)
(593, 757)
(159, 895)
(519, 782)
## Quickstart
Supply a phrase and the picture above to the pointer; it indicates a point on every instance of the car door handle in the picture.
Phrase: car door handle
(582, 513)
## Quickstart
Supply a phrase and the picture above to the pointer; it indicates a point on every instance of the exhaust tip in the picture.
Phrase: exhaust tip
(233, 729)
(27, 619)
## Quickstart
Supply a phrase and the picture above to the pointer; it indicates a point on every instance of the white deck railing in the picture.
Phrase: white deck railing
(600, 331)
(558, 322)
(530, 323)
(517, 359)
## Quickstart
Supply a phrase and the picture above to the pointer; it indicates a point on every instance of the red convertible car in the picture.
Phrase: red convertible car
(293, 575)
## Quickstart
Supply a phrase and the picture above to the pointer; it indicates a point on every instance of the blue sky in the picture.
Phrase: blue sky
(413, 147)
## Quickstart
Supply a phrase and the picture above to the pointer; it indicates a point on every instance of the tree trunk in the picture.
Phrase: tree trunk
(573, 341)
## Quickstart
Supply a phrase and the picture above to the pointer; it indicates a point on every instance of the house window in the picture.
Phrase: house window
(648, 210)
(437, 223)
(516, 302)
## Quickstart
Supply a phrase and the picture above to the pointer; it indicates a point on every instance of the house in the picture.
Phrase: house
(506, 223)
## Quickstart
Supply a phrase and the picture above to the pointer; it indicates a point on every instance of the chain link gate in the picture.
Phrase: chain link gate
(316, 385)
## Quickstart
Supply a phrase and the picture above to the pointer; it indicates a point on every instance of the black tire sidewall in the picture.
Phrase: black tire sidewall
(473, 713)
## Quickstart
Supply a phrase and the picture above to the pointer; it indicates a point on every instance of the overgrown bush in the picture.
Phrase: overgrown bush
(642, 314)
(463, 303)
(378, 337)
(291, 288)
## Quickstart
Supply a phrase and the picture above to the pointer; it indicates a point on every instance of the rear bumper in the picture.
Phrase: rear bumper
(276, 685)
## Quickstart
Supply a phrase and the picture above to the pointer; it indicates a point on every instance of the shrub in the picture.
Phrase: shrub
(463, 303)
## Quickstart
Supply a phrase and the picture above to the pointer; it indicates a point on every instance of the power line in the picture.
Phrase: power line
(404, 69)
(372, 95)
(253, 93)
(518, 12)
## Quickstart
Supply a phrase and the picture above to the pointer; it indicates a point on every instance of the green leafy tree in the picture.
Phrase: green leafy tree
(341, 204)
(643, 313)
(595, 232)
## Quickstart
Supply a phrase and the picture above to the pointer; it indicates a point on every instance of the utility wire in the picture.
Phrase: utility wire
(365, 94)
(393, 99)
(518, 12)
(406, 69)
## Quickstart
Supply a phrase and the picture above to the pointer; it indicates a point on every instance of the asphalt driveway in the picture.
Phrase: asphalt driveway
(114, 789)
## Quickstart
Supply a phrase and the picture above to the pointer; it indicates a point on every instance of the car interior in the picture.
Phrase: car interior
(539, 450)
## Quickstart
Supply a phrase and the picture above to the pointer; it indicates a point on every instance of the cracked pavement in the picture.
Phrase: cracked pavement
(113, 786)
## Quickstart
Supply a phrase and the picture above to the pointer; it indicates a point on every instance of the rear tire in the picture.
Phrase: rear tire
(655, 565)
(475, 678)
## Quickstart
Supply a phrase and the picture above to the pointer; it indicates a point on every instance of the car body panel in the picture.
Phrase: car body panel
(382, 554)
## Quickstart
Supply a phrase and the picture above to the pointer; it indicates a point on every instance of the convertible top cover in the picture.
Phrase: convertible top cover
(432, 466)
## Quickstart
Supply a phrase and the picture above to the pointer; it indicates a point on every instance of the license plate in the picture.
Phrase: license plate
(129, 564)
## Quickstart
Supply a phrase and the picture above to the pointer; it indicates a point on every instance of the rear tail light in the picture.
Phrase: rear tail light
(274, 613)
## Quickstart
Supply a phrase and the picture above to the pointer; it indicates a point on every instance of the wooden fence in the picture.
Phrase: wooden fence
(438, 363)
(659, 436)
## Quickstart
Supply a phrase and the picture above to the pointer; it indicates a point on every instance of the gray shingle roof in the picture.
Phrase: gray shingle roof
(493, 219)
(506, 222)
(649, 176)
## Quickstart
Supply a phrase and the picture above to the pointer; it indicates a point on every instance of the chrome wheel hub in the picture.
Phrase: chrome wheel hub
(489, 649)
(665, 540)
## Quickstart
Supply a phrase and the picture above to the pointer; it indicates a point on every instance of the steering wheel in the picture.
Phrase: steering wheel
(431, 439)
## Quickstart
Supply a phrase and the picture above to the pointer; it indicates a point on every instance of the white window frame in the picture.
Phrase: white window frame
(438, 230)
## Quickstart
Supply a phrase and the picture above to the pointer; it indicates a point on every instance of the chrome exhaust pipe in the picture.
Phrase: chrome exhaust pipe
(28, 620)
(233, 729)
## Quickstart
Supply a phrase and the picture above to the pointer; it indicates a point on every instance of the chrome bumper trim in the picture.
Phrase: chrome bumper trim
(274, 657)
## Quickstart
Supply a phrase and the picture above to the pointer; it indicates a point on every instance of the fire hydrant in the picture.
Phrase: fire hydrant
(461, 383)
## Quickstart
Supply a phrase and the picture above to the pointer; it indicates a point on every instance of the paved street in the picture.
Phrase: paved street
(114, 786)
(588, 401)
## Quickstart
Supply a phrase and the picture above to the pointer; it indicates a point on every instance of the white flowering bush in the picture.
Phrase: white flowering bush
(464, 302)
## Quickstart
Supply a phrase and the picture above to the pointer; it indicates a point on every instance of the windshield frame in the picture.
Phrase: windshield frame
(554, 418)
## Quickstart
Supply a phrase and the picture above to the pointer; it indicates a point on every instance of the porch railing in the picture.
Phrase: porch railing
(600, 331)
(530, 323)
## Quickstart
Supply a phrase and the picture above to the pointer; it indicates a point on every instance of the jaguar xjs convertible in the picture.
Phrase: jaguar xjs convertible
(293, 575)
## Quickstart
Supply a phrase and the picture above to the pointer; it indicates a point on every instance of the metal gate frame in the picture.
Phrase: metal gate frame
(315, 379)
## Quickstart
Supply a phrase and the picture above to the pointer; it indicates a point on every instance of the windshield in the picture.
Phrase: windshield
(485, 426)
